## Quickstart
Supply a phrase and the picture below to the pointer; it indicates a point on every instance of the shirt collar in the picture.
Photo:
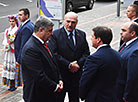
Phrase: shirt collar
(38, 38)
(73, 32)
(134, 19)
(25, 22)
(127, 43)
(101, 46)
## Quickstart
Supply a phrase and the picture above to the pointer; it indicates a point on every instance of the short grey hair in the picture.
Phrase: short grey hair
(42, 22)
(71, 14)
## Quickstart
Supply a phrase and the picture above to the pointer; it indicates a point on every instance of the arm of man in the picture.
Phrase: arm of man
(53, 46)
(33, 66)
(85, 52)
(132, 77)
(86, 81)
(25, 35)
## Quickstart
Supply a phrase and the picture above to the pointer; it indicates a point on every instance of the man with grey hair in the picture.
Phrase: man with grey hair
(41, 77)
(70, 47)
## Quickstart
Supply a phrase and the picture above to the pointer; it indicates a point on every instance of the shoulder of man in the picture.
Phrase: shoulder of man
(80, 32)
(56, 32)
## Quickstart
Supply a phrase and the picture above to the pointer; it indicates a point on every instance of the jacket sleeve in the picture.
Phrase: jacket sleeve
(53, 46)
(25, 35)
(85, 51)
(33, 67)
(87, 78)
(131, 86)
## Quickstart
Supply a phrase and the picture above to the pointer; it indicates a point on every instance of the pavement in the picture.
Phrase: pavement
(109, 19)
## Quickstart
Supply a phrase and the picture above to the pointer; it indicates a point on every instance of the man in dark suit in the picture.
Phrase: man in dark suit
(98, 81)
(24, 32)
(41, 76)
(132, 14)
(70, 48)
(128, 78)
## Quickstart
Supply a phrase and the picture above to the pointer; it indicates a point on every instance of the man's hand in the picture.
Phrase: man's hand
(17, 64)
(124, 100)
(60, 86)
(74, 67)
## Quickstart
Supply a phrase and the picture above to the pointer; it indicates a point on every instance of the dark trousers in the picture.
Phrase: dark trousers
(73, 94)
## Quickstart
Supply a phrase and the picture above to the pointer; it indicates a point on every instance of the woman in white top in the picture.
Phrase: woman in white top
(9, 66)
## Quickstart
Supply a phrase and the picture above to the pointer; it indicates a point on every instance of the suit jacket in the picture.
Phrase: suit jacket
(40, 73)
(127, 83)
(65, 54)
(23, 34)
(98, 81)
(136, 20)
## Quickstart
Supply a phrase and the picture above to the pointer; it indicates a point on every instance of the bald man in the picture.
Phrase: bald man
(127, 83)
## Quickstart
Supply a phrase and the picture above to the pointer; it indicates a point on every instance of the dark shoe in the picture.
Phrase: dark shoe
(12, 89)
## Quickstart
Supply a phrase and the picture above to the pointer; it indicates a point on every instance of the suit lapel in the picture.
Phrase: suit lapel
(122, 47)
(129, 46)
(65, 36)
(78, 39)
(47, 56)
(19, 30)
(45, 53)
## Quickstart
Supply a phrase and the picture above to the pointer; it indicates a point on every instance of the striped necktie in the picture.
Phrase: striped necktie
(123, 46)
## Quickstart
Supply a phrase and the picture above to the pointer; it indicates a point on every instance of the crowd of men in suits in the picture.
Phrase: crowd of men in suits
(59, 61)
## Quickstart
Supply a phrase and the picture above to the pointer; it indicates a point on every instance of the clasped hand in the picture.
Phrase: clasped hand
(60, 86)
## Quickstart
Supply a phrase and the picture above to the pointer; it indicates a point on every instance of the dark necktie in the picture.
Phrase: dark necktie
(47, 48)
(123, 46)
(71, 39)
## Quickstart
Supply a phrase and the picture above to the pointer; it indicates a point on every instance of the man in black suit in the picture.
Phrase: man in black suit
(71, 49)
(101, 69)
(41, 77)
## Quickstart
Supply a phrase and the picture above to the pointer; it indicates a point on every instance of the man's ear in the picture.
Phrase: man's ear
(99, 40)
(133, 33)
(40, 29)
(27, 16)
